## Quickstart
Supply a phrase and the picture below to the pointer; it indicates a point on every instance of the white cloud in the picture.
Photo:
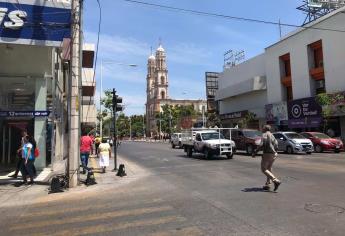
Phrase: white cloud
(228, 34)
(190, 54)
(113, 45)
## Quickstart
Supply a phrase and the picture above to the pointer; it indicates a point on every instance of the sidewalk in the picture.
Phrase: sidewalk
(10, 195)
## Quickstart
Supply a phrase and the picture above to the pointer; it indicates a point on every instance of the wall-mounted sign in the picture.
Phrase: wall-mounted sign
(234, 115)
(35, 22)
(276, 113)
(304, 113)
(24, 113)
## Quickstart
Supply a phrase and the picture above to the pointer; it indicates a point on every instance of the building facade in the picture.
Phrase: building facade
(157, 91)
(297, 70)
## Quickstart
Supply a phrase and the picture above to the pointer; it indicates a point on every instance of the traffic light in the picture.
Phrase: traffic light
(117, 106)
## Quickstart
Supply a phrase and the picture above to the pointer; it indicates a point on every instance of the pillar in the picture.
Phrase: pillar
(41, 122)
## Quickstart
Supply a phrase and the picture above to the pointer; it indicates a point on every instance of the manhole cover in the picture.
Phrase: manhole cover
(323, 209)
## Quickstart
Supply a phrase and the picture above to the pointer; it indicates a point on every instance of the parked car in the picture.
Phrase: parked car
(323, 142)
(292, 142)
(176, 140)
(246, 139)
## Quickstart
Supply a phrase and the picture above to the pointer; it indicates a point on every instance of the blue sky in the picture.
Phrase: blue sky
(194, 44)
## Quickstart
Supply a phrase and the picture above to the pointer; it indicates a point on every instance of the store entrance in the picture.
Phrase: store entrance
(10, 131)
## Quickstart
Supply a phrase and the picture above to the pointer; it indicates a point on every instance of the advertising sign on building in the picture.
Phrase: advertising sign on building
(276, 113)
(234, 115)
(35, 22)
(304, 113)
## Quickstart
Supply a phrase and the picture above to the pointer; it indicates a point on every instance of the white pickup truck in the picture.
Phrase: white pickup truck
(207, 141)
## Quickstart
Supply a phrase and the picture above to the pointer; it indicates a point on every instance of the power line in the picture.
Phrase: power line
(210, 14)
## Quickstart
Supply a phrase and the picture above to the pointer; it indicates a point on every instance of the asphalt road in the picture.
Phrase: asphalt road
(169, 194)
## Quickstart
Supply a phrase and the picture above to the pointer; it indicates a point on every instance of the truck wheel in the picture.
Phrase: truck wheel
(250, 149)
(230, 155)
(189, 152)
(207, 153)
(289, 150)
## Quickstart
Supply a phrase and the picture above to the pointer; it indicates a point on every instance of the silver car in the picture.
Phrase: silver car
(292, 142)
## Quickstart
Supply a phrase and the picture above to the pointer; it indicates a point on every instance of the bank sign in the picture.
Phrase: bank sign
(304, 113)
(35, 22)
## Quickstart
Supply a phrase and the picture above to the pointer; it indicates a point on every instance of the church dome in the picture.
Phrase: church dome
(152, 58)
(160, 48)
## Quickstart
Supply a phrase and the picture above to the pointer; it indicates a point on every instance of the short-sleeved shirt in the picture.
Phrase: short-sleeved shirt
(104, 148)
(26, 148)
(85, 144)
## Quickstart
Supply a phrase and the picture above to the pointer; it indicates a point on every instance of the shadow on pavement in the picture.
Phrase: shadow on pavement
(202, 158)
(255, 190)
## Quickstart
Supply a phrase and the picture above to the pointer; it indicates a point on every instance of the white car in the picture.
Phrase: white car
(176, 140)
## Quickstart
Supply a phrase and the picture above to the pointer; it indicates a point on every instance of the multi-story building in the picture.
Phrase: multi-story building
(34, 81)
(157, 91)
(287, 79)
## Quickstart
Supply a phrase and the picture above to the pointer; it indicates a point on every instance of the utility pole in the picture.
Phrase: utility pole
(73, 95)
(130, 129)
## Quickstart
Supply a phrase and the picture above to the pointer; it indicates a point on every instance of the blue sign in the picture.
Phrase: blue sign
(34, 22)
(24, 113)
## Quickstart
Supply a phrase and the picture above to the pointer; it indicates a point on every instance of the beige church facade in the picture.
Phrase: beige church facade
(157, 91)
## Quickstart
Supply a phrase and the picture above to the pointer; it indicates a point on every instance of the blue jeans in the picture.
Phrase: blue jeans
(84, 159)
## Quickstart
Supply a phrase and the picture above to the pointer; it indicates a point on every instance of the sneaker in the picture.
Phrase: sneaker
(276, 185)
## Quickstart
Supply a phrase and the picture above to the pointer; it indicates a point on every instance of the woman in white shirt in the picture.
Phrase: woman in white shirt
(104, 152)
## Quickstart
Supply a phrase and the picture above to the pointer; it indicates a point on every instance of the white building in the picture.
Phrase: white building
(305, 63)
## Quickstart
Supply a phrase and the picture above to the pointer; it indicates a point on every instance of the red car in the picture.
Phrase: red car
(323, 142)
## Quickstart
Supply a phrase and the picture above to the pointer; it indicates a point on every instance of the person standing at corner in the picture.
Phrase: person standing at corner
(85, 150)
(104, 152)
(97, 143)
(27, 166)
(269, 146)
(24, 133)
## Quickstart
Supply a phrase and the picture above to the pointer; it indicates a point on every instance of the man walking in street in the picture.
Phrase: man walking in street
(85, 150)
(269, 146)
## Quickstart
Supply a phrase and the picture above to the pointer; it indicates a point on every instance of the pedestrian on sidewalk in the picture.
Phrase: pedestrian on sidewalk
(24, 133)
(27, 166)
(85, 150)
(269, 146)
(104, 152)
(97, 143)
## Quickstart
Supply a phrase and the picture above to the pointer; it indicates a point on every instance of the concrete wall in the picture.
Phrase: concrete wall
(34, 60)
(244, 71)
(254, 102)
(297, 46)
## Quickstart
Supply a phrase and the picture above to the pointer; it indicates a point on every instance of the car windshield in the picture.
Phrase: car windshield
(294, 136)
(320, 135)
(252, 133)
(211, 136)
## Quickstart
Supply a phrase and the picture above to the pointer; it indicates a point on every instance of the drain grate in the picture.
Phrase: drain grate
(323, 209)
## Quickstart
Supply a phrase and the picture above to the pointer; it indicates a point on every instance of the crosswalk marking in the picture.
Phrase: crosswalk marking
(52, 212)
(103, 228)
(92, 217)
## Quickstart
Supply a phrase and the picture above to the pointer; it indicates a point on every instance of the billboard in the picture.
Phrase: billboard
(276, 113)
(304, 113)
(328, 4)
(35, 22)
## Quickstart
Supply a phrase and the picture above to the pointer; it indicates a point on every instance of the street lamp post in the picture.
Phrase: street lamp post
(105, 62)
